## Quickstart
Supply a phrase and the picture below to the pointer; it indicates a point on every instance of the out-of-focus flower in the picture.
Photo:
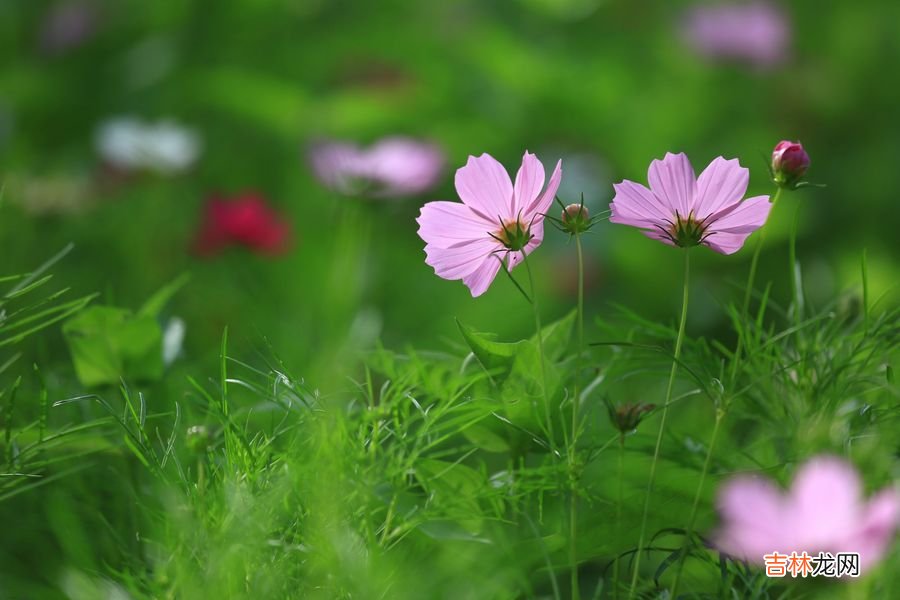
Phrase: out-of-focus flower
(57, 194)
(392, 167)
(757, 33)
(173, 338)
(824, 511)
(496, 220)
(164, 147)
(681, 209)
(67, 25)
(245, 221)
(789, 163)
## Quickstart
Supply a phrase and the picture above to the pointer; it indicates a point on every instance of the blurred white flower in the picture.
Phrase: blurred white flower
(173, 337)
(164, 147)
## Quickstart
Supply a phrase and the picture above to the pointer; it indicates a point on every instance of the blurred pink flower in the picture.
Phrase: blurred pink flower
(754, 32)
(247, 221)
(67, 25)
(495, 220)
(822, 512)
(392, 167)
(681, 209)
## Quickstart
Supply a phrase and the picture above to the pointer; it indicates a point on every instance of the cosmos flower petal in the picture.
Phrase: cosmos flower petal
(725, 243)
(445, 224)
(459, 261)
(746, 217)
(467, 241)
(722, 183)
(529, 182)
(822, 512)
(673, 181)
(542, 204)
(484, 186)
(635, 203)
(815, 521)
(752, 513)
(481, 278)
(876, 529)
(656, 234)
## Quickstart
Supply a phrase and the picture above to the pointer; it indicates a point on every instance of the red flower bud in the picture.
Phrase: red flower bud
(789, 163)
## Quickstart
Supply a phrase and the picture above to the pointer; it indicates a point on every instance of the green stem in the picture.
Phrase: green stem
(748, 292)
(662, 422)
(576, 401)
(619, 512)
(540, 340)
(796, 289)
(720, 416)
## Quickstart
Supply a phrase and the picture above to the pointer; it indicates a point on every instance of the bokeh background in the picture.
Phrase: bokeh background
(605, 85)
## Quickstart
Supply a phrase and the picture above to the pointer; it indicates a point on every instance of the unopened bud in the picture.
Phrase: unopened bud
(789, 163)
(575, 218)
(626, 417)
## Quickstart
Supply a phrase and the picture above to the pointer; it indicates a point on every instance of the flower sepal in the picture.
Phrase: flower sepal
(575, 219)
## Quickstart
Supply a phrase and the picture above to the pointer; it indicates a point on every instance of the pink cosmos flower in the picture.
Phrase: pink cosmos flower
(754, 32)
(392, 167)
(496, 220)
(681, 209)
(822, 512)
(246, 221)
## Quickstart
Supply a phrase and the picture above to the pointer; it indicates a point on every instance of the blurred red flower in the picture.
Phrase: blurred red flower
(246, 220)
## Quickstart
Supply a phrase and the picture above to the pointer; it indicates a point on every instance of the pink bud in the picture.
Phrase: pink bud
(789, 163)
(576, 219)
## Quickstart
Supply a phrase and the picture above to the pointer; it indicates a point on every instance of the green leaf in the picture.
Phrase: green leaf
(486, 439)
(454, 489)
(516, 368)
(154, 305)
(109, 343)
(496, 357)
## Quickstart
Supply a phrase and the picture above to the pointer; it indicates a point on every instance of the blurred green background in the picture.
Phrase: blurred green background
(607, 85)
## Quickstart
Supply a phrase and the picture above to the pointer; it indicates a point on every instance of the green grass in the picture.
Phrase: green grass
(433, 473)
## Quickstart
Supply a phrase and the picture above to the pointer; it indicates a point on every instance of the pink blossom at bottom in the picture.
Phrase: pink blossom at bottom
(823, 511)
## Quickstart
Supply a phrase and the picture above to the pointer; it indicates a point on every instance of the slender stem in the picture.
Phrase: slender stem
(796, 290)
(576, 402)
(619, 512)
(662, 422)
(540, 340)
(748, 291)
(720, 416)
